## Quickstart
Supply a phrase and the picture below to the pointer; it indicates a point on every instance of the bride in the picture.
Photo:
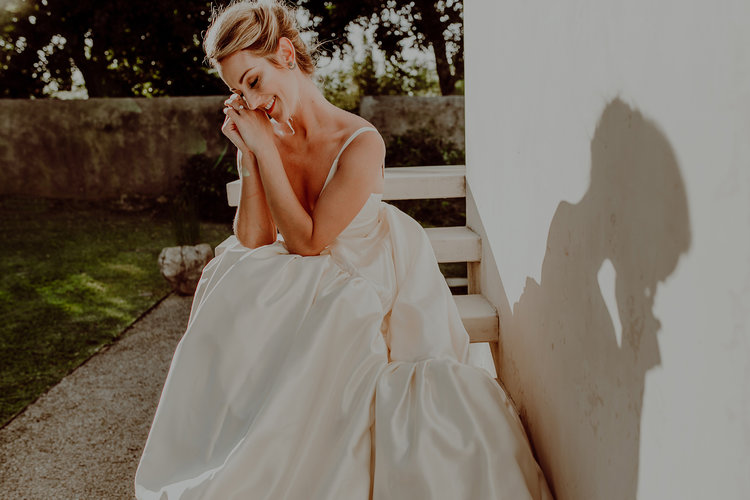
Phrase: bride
(329, 362)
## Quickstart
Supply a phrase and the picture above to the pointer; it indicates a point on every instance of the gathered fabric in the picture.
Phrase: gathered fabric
(343, 375)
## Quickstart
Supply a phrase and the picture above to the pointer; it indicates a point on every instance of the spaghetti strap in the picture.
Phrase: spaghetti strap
(333, 168)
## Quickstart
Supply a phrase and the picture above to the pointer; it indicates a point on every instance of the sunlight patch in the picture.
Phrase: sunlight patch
(607, 278)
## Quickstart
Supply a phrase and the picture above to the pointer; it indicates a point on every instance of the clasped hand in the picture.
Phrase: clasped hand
(248, 129)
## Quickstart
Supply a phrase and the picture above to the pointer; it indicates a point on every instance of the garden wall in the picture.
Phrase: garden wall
(399, 115)
(104, 148)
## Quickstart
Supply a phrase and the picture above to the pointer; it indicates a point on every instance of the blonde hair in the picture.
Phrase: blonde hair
(256, 25)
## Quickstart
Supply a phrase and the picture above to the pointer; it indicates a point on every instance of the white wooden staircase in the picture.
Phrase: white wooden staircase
(451, 244)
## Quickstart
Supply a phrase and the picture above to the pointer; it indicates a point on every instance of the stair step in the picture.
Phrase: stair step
(404, 183)
(416, 183)
(479, 317)
(480, 355)
(455, 244)
(456, 282)
(450, 244)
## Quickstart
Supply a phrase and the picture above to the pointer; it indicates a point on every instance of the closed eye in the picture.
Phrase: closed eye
(254, 83)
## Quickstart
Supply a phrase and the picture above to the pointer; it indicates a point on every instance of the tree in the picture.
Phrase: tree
(121, 47)
(435, 24)
(346, 87)
(147, 47)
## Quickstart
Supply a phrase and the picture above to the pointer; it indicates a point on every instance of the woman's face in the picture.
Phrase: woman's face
(263, 85)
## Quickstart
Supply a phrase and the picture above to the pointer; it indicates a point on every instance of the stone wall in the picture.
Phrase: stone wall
(398, 115)
(104, 148)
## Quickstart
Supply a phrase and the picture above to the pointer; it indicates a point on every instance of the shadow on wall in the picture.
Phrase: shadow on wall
(587, 330)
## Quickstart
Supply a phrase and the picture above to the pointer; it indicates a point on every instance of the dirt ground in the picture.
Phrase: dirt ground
(84, 437)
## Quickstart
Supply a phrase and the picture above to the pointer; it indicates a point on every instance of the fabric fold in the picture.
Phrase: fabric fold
(336, 376)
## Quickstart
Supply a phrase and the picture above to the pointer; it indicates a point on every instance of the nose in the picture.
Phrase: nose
(254, 101)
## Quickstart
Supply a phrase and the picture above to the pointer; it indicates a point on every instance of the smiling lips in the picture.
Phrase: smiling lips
(270, 106)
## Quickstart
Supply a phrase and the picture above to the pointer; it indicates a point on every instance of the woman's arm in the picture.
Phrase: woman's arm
(253, 224)
(358, 175)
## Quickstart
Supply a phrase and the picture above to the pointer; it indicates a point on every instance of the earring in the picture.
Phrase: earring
(292, 65)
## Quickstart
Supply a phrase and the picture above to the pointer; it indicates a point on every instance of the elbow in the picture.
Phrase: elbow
(250, 238)
(306, 249)
(252, 244)
(248, 241)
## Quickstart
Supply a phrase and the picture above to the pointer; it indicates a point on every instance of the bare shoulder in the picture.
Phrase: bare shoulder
(367, 147)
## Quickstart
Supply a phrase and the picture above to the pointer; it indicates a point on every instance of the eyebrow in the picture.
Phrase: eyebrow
(245, 73)
(242, 78)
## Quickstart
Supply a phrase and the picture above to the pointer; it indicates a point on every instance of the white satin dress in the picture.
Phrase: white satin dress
(336, 376)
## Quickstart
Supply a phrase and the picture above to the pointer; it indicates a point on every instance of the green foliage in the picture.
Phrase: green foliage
(146, 48)
(121, 47)
(422, 147)
(202, 192)
(73, 276)
(345, 88)
(397, 27)
(185, 220)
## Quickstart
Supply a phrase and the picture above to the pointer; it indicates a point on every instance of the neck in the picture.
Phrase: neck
(312, 114)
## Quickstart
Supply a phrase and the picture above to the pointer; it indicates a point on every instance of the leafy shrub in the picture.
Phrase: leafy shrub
(345, 88)
(422, 147)
(185, 221)
(202, 194)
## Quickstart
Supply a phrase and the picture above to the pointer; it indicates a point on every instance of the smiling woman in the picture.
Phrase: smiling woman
(257, 28)
(329, 362)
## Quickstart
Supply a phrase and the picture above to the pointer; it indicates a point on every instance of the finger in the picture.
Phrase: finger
(229, 125)
(232, 99)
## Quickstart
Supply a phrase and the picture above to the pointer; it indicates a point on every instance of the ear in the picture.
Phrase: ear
(285, 52)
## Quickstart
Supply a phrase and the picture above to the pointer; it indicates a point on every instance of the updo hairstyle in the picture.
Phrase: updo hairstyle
(256, 25)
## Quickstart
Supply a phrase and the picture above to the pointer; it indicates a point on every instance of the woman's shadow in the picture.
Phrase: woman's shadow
(587, 333)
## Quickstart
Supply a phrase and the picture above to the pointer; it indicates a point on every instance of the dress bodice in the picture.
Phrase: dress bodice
(367, 218)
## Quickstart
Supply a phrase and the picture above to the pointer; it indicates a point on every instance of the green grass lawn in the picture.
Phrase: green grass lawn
(73, 276)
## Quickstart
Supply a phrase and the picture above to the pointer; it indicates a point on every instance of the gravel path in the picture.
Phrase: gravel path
(83, 438)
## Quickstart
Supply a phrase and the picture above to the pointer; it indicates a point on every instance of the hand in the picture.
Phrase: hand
(229, 129)
(249, 130)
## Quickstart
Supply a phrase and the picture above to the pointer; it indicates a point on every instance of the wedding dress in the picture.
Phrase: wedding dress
(336, 376)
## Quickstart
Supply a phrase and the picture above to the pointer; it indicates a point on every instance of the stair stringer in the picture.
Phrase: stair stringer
(484, 278)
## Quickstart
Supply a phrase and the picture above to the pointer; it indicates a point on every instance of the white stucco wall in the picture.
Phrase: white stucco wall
(608, 152)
